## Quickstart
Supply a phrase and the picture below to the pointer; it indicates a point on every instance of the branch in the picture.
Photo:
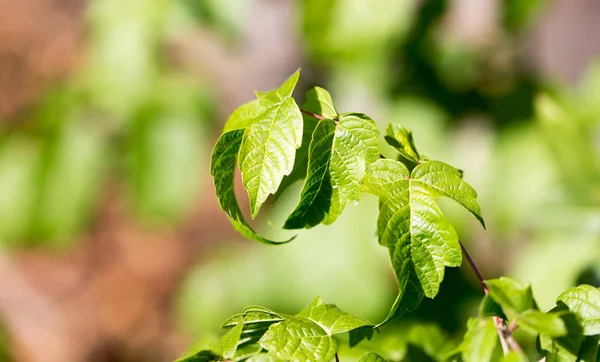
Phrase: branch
(504, 332)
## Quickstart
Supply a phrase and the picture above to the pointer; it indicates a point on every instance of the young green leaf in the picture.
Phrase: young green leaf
(584, 302)
(371, 357)
(318, 101)
(222, 168)
(202, 356)
(244, 115)
(228, 343)
(338, 156)
(420, 239)
(269, 143)
(299, 339)
(401, 140)
(544, 323)
(332, 319)
(489, 308)
(511, 294)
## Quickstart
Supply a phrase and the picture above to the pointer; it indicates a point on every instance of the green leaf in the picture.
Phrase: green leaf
(256, 322)
(564, 348)
(269, 143)
(420, 239)
(545, 323)
(244, 115)
(511, 294)
(584, 302)
(332, 319)
(299, 339)
(202, 356)
(489, 308)
(480, 340)
(371, 357)
(227, 344)
(222, 168)
(264, 357)
(338, 156)
(245, 352)
(408, 299)
(318, 101)
(402, 141)
(355, 336)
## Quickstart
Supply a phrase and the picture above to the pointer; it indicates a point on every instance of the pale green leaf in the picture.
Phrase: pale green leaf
(227, 344)
(244, 352)
(402, 141)
(318, 101)
(332, 319)
(222, 168)
(244, 115)
(480, 340)
(371, 357)
(511, 294)
(584, 302)
(269, 143)
(420, 239)
(299, 339)
(338, 157)
(544, 323)
(514, 356)
(256, 322)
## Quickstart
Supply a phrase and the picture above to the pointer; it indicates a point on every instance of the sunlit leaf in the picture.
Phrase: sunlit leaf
(371, 357)
(299, 339)
(420, 239)
(269, 143)
(584, 302)
(339, 153)
(331, 318)
(545, 323)
(480, 340)
(222, 168)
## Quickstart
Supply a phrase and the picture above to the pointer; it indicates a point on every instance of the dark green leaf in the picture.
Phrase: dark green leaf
(420, 239)
(222, 168)
(584, 302)
(202, 356)
(489, 308)
(360, 333)
(371, 357)
(338, 157)
(544, 323)
(269, 143)
(318, 101)
(299, 339)
(511, 294)
(331, 318)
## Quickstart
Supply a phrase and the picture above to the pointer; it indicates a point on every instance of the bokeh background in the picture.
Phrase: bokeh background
(112, 245)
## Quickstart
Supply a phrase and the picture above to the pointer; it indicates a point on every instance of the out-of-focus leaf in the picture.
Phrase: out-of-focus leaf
(420, 239)
(269, 143)
(371, 357)
(359, 334)
(332, 319)
(481, 340)
(167, 159)
(511, 294)
(202, 356)
(74, 161)
(584, 302)
(19, 165)
(222, 168)
(299, 339)
(544, 323)
(489, 308)
(339, 154)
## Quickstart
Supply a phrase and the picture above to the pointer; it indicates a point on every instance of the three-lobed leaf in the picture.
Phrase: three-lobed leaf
(420, 239)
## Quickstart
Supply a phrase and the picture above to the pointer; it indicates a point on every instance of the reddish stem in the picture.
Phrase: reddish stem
(314, 115)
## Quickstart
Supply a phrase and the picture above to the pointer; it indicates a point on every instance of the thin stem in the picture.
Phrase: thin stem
(474, 267)
(314, 115)
(505, 333)
(337, 358)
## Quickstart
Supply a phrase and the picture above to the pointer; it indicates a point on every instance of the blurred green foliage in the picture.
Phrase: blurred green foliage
(528, 145)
